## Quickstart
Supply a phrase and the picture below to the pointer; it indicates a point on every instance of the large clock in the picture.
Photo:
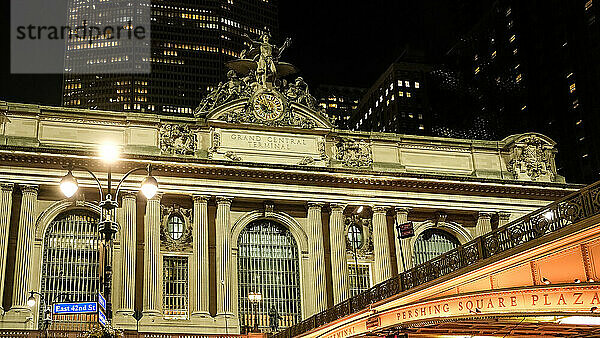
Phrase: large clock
(267, 106)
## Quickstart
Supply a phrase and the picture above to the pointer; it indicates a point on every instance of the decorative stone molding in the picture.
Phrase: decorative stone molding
(306, 161)
(290, 118)
(6, 186)
(269, 209)
(503, 216)
(29, 189)
(185, 241)
(353, 153)
(531, 157)
(177, 139)
(215, 143)
(233, 156)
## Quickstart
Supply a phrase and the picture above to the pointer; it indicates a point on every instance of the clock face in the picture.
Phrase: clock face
(267, 106)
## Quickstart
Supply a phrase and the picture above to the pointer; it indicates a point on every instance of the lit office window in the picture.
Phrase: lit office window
(71, 237)
(417, 84)
(399, 83)
(588, 5)
(175, 226)
(477, 70)
(432, 243)
(359, 279)
(512, 38)
(407, 84)
(175, 287)
(408, 94)
(268, 263)
(401, 94)
(519, 78)
(572, 88)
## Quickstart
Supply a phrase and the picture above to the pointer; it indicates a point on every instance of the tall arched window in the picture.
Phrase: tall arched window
(432, 243)
(70, 264)
(268, 264)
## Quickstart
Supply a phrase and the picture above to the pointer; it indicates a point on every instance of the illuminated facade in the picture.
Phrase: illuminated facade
(190, 41)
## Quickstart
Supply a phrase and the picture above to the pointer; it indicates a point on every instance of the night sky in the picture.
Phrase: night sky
(334, 42)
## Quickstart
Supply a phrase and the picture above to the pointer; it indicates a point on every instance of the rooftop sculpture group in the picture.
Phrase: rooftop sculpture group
(259, 70)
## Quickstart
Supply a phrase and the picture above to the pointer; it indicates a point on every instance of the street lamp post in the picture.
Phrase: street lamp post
(107, 225)
(47, 320)
(255, 298)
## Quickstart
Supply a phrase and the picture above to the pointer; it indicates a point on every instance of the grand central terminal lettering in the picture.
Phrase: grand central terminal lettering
(269, 142)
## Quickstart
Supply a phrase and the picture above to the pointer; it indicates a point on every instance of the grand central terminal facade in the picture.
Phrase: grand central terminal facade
(258, 194)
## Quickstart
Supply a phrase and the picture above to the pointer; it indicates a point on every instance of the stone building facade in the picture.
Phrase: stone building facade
(250, 200)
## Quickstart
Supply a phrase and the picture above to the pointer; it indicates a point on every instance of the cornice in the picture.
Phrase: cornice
(49, 158)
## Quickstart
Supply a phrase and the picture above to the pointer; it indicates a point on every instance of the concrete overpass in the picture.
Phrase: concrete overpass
(538, 275)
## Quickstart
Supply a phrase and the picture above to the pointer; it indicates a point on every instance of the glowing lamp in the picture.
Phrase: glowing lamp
(68, 185)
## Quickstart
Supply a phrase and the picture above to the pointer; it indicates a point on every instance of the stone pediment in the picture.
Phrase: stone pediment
(295, 115)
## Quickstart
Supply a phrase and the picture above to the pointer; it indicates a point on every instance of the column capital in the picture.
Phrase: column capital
(200, 198)
(314, 205)
(338, 207)
(157, 197)
(503, 215)
(29, 188)
(379, 209)
(6, 186)
(129, 194)
(485, 215)
(224, 200)
(402, 210)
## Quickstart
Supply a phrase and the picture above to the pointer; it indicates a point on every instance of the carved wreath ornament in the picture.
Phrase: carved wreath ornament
(184, 242)
(353, 153)
(532, 157)
(177, 139)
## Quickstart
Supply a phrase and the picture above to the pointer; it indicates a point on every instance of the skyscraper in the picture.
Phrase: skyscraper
(339, 102)
(397, 102)
(534, 64)
(190, 41)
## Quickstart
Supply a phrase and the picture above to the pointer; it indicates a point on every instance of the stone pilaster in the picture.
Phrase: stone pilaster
(199, 271)
(5, 209)
(128, 251)
(339, 265)
(381, 247)
(152, 264)
(484, 224)
(503, 218)
(402, 245)
(223, 250)
(317, 258)
(22, 283)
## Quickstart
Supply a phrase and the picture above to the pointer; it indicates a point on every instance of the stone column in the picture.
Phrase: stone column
(381, 247)
(339, 264)
(223, 251)
(152, 264)
(26, 236)
(402, 245)
(503, 218)
(128, 249)
(317, 258)
(200, 293)
(484, 224)
(5, 209)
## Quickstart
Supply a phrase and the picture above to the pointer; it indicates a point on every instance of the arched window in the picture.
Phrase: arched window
(268, 264)
(432, 243)
(70, 265)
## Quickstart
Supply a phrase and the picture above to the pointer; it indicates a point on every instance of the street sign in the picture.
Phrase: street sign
(101, 301)
(406, 230)
(73, 308)
(102, 318)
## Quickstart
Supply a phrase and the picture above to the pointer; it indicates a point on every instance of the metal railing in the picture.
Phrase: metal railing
(556, 216)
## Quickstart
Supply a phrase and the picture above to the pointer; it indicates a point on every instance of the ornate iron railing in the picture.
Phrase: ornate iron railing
(556, 216)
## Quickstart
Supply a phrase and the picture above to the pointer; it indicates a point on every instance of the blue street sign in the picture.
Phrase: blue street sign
(72, 308)
(102, 318)
(101, 301)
